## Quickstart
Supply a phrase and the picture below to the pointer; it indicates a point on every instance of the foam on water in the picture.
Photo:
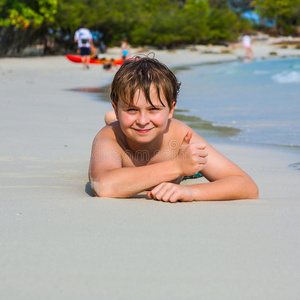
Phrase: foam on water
(287, 77)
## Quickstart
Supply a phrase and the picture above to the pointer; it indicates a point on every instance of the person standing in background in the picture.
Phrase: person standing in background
(125, 49)
(246, 42)
(85, 40)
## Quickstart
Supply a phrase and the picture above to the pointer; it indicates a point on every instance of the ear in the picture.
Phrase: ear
(115, 109)
(171, 112)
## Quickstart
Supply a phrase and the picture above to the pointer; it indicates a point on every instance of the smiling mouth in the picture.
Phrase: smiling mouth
(143, 130)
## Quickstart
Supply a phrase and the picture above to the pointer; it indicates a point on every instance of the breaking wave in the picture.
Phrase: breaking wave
(287, 77)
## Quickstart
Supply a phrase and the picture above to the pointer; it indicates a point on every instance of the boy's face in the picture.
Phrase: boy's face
(141, 122)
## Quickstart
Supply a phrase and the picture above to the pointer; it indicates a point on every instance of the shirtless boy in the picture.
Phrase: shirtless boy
(146, 149)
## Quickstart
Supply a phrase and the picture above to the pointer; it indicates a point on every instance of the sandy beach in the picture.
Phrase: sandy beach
(59, 242)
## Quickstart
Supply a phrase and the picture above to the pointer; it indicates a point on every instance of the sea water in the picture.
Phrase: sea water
(247, 102)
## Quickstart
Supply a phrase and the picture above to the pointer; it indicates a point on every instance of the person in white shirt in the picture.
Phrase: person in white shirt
(246, 42)
(85, 40)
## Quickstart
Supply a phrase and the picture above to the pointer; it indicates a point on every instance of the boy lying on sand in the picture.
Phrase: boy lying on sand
(146, 149)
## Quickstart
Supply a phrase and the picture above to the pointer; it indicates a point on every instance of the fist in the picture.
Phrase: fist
(191, 157)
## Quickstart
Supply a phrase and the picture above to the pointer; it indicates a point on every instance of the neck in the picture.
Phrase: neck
(147, 149)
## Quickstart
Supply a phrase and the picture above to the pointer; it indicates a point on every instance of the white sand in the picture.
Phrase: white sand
(58, 242)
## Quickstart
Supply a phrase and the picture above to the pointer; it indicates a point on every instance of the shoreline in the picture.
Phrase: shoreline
(180, 114)
(224, 140)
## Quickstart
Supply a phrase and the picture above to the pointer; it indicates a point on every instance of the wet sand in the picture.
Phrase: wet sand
(59, 242)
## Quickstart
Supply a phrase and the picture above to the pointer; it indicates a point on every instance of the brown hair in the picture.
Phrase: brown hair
(139, 73)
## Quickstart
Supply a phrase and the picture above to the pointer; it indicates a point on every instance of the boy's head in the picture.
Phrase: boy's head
(139, 74)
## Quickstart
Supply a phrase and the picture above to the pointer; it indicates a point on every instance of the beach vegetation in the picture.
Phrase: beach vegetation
(23, 22)
(240, 6)
(223, 24)
(284, 14)
(160, 23)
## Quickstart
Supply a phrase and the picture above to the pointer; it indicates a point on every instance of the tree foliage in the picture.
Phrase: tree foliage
(161, 23)
(240, 6)
(285, 13)
(24, 13)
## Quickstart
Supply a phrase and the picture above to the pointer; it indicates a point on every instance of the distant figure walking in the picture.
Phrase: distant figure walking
(125, 48)
(246, 42)
(85, 40)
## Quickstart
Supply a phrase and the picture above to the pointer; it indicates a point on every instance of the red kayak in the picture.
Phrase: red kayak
(97, 61)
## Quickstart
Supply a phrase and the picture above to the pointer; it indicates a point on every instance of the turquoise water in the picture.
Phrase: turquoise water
(256, 102)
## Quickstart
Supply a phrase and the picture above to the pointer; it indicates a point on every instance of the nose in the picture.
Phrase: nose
(142, 119)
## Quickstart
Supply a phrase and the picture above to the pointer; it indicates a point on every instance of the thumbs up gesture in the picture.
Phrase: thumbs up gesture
(186, 140)
(191, 157)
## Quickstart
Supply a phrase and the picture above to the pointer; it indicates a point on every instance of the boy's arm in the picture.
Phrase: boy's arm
(227, 182)
(110, 179)
(235, 184)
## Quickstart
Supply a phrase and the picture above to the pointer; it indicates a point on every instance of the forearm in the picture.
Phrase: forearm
(230, 188)
(128, 181)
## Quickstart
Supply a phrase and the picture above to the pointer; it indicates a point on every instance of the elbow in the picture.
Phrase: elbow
(247, 188)
(94, 186)
(255, 192)
(98, 189)
(252, 191)
(101, 189)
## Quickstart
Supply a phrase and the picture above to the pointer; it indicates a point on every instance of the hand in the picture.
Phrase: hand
(170, 192)
(191, 157)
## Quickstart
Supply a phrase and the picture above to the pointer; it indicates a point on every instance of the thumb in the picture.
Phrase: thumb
(187, 138)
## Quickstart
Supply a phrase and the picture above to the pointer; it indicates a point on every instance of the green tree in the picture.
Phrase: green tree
(224, 25)
(285, 13)
(240, 6)
(195, 25)
(21, 14)
(161, 23)
(218, 4)
(22, 21)
(170, 24)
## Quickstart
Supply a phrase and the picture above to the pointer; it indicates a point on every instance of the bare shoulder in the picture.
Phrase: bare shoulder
(110, 139)
(111, 132)
(178, 129)
(106, 150)
(105, 132)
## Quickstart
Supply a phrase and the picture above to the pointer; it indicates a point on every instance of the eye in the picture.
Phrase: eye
(154, 109)
(131, 110)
